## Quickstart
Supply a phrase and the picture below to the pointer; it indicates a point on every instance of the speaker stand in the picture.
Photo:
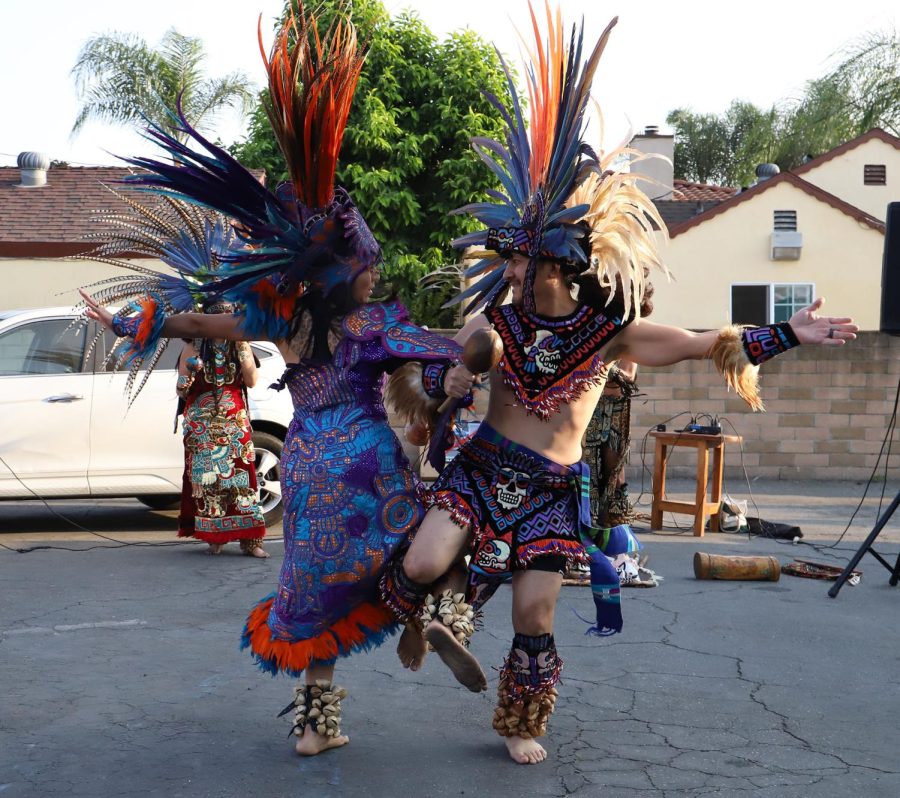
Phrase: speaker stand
(867, 547)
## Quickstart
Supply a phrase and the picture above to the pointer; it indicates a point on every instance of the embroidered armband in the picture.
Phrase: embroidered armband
(141, 321)
(125, 326)
(433, 375)
(763, 343)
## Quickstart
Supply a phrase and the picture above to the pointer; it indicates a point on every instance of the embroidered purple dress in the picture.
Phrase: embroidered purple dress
(350, 496)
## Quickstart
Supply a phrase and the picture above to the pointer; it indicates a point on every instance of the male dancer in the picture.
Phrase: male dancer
(514, 497)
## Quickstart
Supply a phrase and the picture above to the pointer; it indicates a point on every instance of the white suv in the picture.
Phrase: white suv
(66, 430)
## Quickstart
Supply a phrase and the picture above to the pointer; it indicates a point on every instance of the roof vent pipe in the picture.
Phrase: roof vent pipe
(33, 168)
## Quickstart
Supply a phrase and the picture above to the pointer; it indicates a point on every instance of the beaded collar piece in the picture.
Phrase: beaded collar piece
(548, 362)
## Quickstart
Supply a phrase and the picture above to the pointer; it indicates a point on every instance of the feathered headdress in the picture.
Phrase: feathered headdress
(187, 239)
(554, 190)
(622, 222)
(308, 234)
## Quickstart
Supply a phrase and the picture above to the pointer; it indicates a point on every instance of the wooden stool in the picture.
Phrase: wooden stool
(700, 508)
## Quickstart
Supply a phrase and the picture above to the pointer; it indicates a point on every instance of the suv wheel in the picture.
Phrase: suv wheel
(268, 475)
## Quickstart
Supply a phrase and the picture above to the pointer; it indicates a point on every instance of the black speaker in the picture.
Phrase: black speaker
(890, 272)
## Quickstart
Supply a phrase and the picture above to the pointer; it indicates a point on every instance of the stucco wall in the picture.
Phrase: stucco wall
(843, 177)
(840, 256)
(659, 170)
(39, 282)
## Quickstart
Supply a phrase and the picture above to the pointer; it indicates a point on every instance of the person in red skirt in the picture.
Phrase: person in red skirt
(218, 496)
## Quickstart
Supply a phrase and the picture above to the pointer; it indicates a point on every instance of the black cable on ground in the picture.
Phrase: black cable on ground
(118, 544)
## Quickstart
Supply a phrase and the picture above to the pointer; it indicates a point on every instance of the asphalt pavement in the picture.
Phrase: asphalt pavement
(121, 675)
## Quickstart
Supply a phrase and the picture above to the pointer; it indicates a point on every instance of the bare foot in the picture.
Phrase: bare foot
(525, 752)
(215, 548)
(412, 647)
(312, 743)
(456, 657)
(257, 551)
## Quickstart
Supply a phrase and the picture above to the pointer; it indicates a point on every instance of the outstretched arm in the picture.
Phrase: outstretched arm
(183, 325)
(650, 344)
(736, 352)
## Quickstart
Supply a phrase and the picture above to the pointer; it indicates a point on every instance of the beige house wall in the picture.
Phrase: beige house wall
(843, 177)
(840, 257)
(43, 282)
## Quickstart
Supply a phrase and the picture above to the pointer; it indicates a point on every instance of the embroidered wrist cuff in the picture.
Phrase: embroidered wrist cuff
(763, 343)
(125, 326)
(433, 376)
(142, 321)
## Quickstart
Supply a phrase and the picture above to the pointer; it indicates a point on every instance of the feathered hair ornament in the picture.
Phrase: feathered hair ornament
(621, 220)
(308, 234)
(555, 190)
(189, 240)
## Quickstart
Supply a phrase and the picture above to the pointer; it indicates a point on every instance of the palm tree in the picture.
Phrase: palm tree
(868, 77)
(123, 81)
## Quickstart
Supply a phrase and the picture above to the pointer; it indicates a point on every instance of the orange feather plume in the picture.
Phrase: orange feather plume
(548, 79)
(312, 80)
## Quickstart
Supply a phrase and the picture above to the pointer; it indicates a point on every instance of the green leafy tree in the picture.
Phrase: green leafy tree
(406, 157)
(867, 82)
(701, 151)
(120, 79)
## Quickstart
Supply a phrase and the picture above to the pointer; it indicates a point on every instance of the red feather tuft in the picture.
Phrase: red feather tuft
(269, 300)
(311, 85)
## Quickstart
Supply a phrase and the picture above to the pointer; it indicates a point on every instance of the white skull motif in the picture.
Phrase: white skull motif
(510, 487)
(494, 555)
(545, 358)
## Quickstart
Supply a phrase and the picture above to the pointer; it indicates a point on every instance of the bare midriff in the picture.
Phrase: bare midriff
(558, 438)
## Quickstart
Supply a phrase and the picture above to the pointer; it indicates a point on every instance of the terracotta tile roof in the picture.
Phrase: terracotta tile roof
(785, 177)
(52, 220)
(700, 192)
(676, 212)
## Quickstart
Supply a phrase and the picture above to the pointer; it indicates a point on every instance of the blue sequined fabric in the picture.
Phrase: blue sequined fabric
(350, 496)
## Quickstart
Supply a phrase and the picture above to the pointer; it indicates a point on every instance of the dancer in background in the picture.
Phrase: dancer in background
(219, 491)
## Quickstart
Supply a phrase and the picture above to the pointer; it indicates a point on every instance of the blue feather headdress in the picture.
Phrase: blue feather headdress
(308, 235)
(545, 207)
(190, 242)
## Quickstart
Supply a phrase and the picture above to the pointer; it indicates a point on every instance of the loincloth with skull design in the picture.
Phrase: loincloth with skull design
(518, 504)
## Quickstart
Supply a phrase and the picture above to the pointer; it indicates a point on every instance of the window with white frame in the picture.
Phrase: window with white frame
(768, 303)
(788, 298)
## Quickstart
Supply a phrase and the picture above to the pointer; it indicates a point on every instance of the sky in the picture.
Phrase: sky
(662, 55)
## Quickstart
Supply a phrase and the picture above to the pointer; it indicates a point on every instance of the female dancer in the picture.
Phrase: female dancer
(303, 280)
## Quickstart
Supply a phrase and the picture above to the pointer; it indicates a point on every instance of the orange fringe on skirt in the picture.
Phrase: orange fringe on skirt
(364, 627)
